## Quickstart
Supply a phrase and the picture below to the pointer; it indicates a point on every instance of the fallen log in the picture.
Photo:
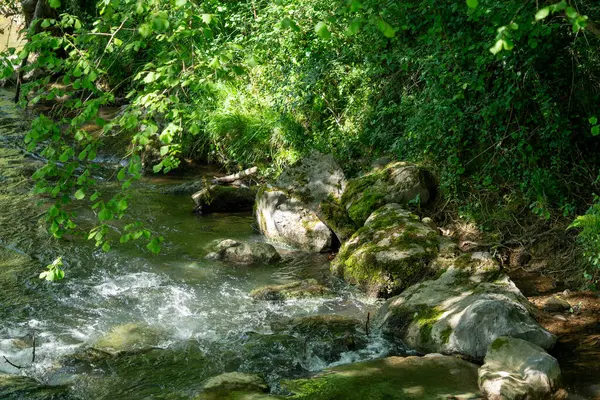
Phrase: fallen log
(237, 176)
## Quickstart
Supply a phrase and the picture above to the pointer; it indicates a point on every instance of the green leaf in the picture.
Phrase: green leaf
(472, 3)
(385, 28)
(95, 196)
(106, 247)
(121, 174)
(54, 3)
(64, 157)
(596, 130)
(145, 30)
(322, 30)
(571, 13)
(593, 120)
(180, 3)
(497, 47)
(79, 195)
(353, 28)
(542, 13)
(104, 214)
(154, 245)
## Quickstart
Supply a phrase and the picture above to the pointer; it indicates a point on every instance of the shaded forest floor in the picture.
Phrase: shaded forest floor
(577, 329)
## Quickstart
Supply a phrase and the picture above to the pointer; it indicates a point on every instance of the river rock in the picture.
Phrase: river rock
(217, 198)
(286, 219)
(517, 369)
(463, 311)
(398, 182)
(188, 188)
(292, 290)
(556, 304)
(326, 336)
(430, 377)
(303, 208)
(244, 253)
(232, 385)
(128, 338)
(392, 251)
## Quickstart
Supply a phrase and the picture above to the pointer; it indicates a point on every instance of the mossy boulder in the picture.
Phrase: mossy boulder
(516, 369)
(293, 290)
(233, 385)
(470, 305)
(129, 338)
(245, 253)
(392, 378)
(392, 251)
(219, 199)
(326, 336)
(397, 182)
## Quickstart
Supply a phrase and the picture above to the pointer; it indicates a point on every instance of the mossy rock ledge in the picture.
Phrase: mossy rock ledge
(430, 377)
(398, 182)
(391, 252)
(464, 310)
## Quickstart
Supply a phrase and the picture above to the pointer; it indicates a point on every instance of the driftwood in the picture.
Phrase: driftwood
(236, 177)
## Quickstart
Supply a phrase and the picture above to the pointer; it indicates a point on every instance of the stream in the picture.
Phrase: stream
(199, 311)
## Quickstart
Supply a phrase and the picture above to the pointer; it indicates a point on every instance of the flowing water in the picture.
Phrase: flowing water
(197, 313)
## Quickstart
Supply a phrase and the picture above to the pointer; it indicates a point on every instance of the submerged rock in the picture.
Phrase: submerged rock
(272, 355)
(463, 311)
(430, 377)
(326, 336)
(217, 198)
(292, 290)
(233, 385)
(303, 208)
(244, 253)
(15, 387)
(516, 369)
(188, 188)
(128, 338)
(397, 182)
(392, 251)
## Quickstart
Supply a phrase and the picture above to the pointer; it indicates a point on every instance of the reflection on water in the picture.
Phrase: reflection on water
(204, 320)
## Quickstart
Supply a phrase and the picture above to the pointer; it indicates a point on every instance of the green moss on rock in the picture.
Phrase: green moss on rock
(438, 377)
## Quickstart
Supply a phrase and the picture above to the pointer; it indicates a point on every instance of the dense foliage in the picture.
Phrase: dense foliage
(499, 98)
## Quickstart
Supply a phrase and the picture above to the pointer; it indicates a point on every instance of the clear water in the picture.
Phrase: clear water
(201, 310)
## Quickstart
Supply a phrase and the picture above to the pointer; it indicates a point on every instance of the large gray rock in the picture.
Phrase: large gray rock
(313, 179)
(463, 311)
(391, 252)
(288, 220)
(397, 182)
(244, 253)
(515, 369)
(402, 378)
(303, 207)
